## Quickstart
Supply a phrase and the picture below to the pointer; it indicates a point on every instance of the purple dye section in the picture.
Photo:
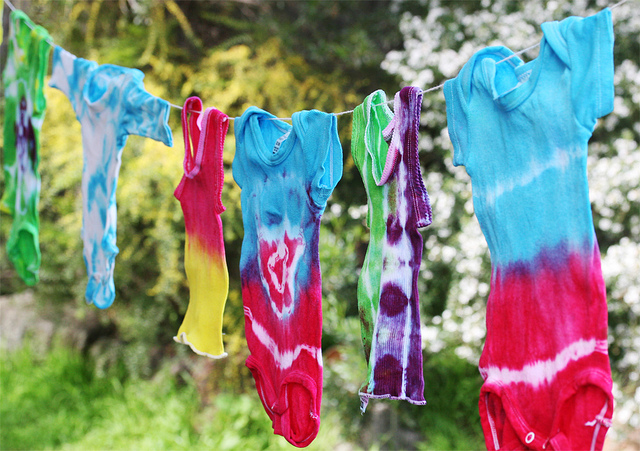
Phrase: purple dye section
(395, 229)
(396, 353)
(392, 300)
(388, 374)
(403, 132)
(398, 368)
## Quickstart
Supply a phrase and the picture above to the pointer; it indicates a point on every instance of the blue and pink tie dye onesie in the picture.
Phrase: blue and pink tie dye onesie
(521, 131)
(286, 173)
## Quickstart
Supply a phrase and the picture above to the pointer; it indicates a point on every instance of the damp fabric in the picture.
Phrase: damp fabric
(28, 51)
(200, 195)
(110, 103)
(521, 131)
(398, 205)
(286, 173)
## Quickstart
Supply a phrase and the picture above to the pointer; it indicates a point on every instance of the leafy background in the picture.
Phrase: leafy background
(73, 377)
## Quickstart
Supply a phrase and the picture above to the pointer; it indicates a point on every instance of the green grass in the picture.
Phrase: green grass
(56, 401)
(47, 401)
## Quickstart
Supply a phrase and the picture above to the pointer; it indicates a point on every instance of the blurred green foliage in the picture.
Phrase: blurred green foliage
(57, 401)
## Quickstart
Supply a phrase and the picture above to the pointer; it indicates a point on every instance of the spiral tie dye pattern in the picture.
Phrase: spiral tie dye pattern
(286, 173)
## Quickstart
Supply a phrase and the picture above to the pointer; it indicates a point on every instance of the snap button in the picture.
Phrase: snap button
(529, 438)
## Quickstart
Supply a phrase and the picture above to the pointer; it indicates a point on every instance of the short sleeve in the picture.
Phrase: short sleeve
(144, 114)
(378, 117)
(585, 45)
(44, 49)
(69, 75)
(322, 151)
(215, 125)
(236, 165)
(457, 121)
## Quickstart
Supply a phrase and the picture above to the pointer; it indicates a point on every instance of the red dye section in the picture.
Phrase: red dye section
(285, 358)
(207, 227)
(545, 363)
(200, 189)
(544, 306)
(278, 264)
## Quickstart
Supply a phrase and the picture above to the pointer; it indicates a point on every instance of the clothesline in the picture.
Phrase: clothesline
(13, 8)
(341, 113)
(424, 91)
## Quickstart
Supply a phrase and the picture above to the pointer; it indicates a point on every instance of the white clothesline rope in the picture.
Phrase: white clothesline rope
(341, 113)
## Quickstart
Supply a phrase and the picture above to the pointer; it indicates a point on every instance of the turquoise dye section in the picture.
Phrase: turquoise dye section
(526, 146)
(110, 103)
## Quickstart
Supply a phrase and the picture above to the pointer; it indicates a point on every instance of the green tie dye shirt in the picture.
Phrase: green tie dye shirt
(27, 61)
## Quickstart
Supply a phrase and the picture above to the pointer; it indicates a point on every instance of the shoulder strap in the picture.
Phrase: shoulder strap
(210, 151)
(191, 117)
(403, 132)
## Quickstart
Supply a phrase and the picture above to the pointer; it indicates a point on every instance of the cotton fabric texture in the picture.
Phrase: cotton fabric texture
(200, 196)
(25, 104)
(398, 204)
(521, 131)
(286, 173)
(110, 103)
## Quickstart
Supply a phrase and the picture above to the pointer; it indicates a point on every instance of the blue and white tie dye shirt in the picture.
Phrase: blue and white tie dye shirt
(110, 103)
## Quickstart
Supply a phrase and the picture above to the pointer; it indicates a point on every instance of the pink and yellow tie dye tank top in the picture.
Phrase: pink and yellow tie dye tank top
(199, 193)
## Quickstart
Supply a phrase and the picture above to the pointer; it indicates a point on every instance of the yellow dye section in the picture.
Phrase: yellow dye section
(208, 279)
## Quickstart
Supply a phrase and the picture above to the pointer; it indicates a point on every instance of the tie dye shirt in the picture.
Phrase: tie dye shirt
(110, 103)
(521, 131)
(398, 205)
(199, 193)
(25, 104)
(286, 174)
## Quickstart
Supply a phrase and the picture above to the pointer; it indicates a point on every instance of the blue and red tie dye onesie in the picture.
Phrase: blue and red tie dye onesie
(521, 131)
(286, 174)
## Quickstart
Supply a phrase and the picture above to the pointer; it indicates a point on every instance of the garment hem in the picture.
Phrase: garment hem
(395, 398)
(182, 339)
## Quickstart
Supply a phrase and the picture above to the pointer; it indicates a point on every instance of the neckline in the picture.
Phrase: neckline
(513, 97)
(286, 139)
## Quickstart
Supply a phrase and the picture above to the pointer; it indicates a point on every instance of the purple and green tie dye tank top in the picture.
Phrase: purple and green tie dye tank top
(398, 205)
